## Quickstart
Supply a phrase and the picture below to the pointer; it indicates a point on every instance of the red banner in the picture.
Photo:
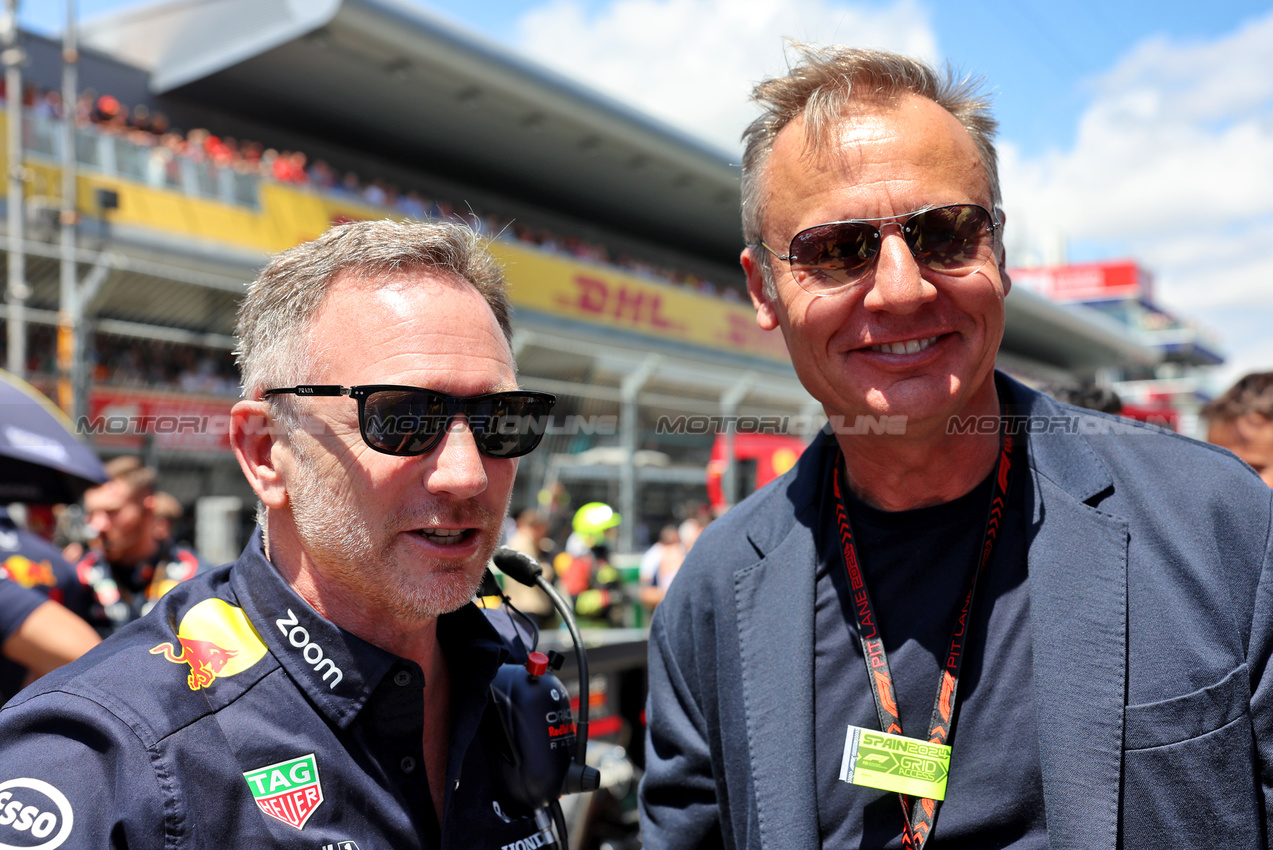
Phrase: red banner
(128, 419)
(1087, 281)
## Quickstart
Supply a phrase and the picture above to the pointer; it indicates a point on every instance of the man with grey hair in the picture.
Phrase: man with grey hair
(331, 687)
(969, 613)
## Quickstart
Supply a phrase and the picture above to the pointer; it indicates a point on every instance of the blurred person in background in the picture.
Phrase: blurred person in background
(1241, 420)
(37, 635)
(168, 512)
(527, 537)
(659, 565)
(129, 569)
(586, 574)
(43, 607)
(554, 503)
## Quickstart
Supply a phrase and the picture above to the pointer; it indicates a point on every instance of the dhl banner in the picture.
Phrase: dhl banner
(540, 281)
(573, 290)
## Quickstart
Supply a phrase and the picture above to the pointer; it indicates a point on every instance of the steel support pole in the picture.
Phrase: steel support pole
(729, 402)
(71, 366)
(629, 433)
(17, 291)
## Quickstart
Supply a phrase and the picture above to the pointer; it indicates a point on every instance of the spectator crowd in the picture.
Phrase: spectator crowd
(156, 151)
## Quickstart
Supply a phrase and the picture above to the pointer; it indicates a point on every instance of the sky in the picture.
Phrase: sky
(1139, 130)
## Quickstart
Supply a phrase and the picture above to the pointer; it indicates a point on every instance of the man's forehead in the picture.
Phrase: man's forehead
(930, 134)
(384, 324)
(110, 495)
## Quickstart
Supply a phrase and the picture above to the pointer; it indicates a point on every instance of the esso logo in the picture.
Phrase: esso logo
(33, 815)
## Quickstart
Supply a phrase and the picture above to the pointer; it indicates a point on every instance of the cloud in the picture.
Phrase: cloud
(692, 63)
(1172, 165)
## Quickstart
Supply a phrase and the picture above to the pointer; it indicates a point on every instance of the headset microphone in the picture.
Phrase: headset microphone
(534, 712)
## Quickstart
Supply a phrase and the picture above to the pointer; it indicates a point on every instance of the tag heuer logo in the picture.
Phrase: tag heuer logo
(288, 791)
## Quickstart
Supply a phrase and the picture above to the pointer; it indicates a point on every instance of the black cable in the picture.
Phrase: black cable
(559, 823)
(530, 624)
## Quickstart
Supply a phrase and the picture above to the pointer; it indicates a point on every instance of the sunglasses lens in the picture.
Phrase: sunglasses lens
(411, 422)
(833, 254)
(950, 239)
(403, 422)
(506, 425)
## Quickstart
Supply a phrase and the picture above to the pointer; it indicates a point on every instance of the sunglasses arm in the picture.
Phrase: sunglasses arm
(311, 390)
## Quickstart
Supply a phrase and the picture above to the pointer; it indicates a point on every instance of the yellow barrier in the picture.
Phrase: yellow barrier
(540, 281)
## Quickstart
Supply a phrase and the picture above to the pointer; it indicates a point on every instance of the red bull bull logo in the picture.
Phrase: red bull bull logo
(29, 573)
(205, 658)
(216, 640)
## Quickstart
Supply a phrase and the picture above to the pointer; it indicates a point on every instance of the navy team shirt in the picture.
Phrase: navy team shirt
(31, 562)
(16, 604)
(233, 715)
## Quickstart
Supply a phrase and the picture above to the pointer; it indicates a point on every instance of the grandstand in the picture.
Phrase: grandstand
(209, 135)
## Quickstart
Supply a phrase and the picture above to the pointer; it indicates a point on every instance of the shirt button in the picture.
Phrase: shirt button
(407, 764)
(402, 678)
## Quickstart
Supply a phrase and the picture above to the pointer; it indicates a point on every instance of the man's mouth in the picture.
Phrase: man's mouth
(446, 536)
(910, 346)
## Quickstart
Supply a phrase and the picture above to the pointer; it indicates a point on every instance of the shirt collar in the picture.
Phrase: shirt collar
(337, 670)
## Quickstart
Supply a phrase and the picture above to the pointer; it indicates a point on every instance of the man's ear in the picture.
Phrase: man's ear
(253, 438)
(766, 315)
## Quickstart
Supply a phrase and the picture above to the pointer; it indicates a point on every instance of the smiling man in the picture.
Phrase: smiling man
(1011, 623)
(327, 689)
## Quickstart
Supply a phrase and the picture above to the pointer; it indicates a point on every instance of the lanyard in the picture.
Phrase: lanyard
(917, 821)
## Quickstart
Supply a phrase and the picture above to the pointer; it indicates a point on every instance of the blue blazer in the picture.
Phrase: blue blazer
(1151, 610)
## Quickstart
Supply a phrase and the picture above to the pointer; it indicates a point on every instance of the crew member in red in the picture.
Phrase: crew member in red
(130, 567)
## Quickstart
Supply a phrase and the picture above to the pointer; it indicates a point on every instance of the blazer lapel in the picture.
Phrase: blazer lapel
(1078, 613)
(775, 607)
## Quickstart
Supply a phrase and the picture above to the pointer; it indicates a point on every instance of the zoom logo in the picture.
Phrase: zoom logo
(298, 636)
(33, 815)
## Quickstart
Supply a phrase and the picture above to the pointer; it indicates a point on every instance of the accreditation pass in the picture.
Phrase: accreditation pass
(894, 763)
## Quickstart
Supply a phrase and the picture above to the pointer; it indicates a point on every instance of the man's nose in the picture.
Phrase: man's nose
(897, 285)
(457, 465)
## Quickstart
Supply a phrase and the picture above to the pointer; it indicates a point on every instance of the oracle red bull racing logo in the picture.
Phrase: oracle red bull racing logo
(289, 790)
(216, 640)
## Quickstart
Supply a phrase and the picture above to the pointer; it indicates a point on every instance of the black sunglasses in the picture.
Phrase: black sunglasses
(410, 421)
(953, 240)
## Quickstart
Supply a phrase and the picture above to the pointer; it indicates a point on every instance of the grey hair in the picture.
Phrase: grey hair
(821, 85)
(280, 306)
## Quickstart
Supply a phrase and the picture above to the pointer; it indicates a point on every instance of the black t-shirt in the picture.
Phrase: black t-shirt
(916, 564)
